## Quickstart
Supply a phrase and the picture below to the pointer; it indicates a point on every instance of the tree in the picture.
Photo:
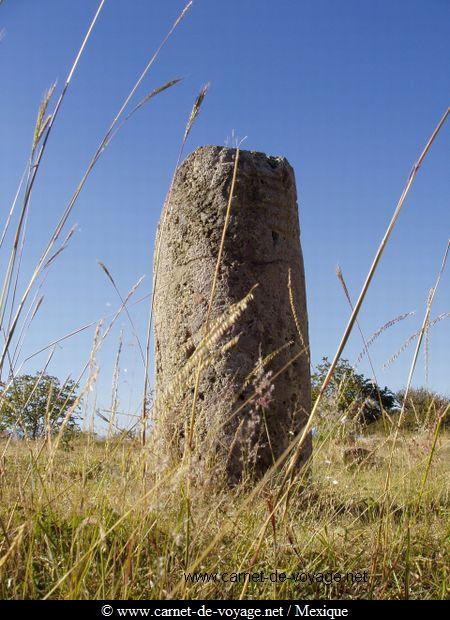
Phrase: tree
(353, 394)
(37, 405)
(423, 408)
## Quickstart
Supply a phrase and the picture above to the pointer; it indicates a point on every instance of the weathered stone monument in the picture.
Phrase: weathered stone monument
(262, 245)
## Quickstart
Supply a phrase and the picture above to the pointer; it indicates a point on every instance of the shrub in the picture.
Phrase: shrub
(352, 394)
(423, 408)
(37, 405)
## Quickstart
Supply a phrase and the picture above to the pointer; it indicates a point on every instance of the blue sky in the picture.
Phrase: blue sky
(348, 91)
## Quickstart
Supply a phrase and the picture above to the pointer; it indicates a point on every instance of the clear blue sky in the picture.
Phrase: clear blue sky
(348, 91)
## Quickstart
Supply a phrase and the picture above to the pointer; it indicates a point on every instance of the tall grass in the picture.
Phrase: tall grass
(80, 525)
(125, 517)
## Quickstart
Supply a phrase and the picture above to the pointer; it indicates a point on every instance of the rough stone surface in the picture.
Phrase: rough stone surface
(262, 243)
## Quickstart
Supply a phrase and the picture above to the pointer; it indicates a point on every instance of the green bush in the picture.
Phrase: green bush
(352, 394)
(34, 406)
(423, 408)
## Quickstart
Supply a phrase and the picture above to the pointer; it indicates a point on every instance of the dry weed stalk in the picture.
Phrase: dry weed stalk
(295, 447)
(166, 212)
(112, 130)
(212, 295)
(410, 340)
(300, 440)
(383, 328)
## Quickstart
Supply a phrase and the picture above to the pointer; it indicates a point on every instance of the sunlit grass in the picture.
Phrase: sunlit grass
(88, 522)
(123, 517)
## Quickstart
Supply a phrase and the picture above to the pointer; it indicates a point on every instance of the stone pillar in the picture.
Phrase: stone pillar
(262, 244)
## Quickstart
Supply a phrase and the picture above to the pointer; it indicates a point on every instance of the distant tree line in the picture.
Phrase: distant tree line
(35, 406)
(361, 399)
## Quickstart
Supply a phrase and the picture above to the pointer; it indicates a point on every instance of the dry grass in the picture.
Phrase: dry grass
(121, 518)
(84, 526)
